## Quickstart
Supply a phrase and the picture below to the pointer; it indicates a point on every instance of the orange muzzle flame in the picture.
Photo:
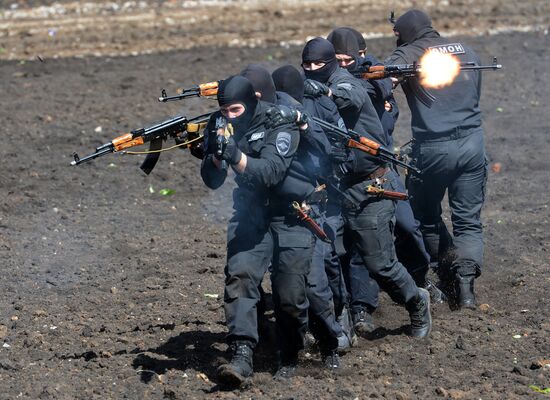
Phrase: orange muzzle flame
(438, 70)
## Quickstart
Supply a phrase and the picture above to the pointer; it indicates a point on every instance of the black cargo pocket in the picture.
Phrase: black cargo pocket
(298, 240)
(294, 253)
(366, 232)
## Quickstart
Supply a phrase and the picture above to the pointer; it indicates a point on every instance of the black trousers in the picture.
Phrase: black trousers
(371, 227)
(256, 239)
(323, 279)
(456, 164)
(410, 251)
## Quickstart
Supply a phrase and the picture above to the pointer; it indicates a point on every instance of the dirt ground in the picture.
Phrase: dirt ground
(111, 290)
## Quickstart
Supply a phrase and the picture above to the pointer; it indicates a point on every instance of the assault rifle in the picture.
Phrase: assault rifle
(178, 127)
(404, 71)
(202, 90)
(412, 70)
(354, 140)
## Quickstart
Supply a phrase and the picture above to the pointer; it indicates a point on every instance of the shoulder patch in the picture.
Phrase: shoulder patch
(256, 136)
(283, 143)
(450, 48)
(341, 123)
(345, 85)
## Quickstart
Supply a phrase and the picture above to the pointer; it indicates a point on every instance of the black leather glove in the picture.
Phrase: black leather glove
(315, 89)
(228, 150)
(338, 154)
(281, 115)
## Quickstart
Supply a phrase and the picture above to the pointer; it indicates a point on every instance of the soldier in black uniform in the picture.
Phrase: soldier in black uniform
(410, 248)
(263, 229)
(449, 148)
(326, 288)
(369, 219)
(312, 153)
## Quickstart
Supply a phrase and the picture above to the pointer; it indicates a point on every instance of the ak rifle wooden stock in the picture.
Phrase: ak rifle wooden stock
(354, 140)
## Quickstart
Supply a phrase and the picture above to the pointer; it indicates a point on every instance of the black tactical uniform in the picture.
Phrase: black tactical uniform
(369, 219)
(326, 289)
(410, 248)
(261, 230)
(450, 150)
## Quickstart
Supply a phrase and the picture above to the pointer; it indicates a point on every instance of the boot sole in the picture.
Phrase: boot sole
(230, 377)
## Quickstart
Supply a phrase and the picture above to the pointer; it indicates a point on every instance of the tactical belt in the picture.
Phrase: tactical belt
(453, 134)
(377, 173)
(280, 206)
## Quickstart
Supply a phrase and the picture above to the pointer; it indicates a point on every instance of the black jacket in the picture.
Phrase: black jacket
(456, 105)
(380, 91)
(356, 108)
(272, 173)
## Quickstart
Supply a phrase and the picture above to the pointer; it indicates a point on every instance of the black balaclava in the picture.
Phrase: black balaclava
(238, 89)
(261, 81)
(413, 25)
(345, 41)
(320, 50)
(289, 80)
(360, 39)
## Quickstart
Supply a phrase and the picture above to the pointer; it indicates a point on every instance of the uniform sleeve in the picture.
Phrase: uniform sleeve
(212, 176)
(397, 57)
(380, 87)
(349, 95)
(315, 139)
(394, 108)
(275, 156)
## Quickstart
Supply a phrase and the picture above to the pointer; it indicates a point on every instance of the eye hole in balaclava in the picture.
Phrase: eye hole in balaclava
(238, 89)
(320, 50)
(261, 82)
(412, 25)
(289, 80)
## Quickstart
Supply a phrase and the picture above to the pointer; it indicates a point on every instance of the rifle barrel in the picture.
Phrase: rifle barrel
(98, 153)
(183, 95)
(481, 67)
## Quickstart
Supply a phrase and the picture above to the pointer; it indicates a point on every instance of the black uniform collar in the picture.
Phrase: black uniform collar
(258, 120)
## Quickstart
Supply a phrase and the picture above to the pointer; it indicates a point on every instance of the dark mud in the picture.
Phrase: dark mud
(108, 290)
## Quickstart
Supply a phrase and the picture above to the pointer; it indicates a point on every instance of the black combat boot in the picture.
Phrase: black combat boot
(331, 360)
(419, 311)
(348, 338)
(287, 367)
(240, 367)
(436, 295)
(464, 288)
(363, 322)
